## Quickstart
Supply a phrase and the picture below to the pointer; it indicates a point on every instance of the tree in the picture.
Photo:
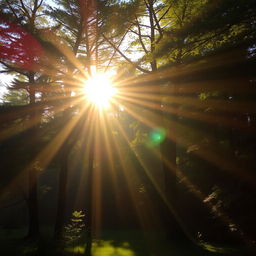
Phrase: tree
(175, 35)
(82, 24)
(170, 53)
(25, 53)
(221, 40)
(16, 58)
(149, 29)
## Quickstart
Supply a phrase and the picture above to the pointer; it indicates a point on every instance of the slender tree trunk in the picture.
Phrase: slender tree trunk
(62, 193)
(88, 209)
(168, 149)
(87, 46)
(63, 175)
(169, 153)
(153, 63)
(32, 201)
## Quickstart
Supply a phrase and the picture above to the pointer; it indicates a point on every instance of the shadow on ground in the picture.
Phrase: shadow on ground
(113, 243)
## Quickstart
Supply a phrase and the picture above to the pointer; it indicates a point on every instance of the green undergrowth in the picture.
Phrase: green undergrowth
(111, 243)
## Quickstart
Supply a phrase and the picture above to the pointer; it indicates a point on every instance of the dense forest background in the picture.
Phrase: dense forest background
(169, 168)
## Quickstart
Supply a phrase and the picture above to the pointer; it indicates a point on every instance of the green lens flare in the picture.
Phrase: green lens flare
(157, 136)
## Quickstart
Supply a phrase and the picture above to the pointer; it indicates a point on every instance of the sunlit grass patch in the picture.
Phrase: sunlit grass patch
(104, 248)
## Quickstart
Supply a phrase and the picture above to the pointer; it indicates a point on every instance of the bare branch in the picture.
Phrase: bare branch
(15, 69)
(115, 51)
(13, 12)
(24, 8)
(136, 33)
(146, 3)
(166, 11)
(40, 4)
(69, 5)
(140, 36)
(158, 26)
(142, 25)
(125, 57)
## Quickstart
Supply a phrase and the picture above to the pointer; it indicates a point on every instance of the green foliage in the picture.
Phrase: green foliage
(74, 230)
(204, 26)
(14, 97)
(140, 135)
(207, 95)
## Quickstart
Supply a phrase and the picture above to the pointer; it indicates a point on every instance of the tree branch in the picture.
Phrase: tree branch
(13, 68)
(125, 57)
(13, 12)
(136, 33)
(166, 11)
(158, 26)
(24, 8)
(115, 51)
(140, 36)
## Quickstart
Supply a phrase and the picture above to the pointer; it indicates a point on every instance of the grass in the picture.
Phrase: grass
(112, 243)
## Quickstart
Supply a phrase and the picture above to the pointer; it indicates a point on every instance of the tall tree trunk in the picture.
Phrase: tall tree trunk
(168, 149)
(153, 63)
(62, 193)
(169, 153)
(32, 201)
(63, 174)
(88, 203)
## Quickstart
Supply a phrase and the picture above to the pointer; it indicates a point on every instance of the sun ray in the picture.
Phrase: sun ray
(211, 156)
(50, 150)
(147, 170)
(226, 219)
(11, 115)
(166, 99)
(213, 118)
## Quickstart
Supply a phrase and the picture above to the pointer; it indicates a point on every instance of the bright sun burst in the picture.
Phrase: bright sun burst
(99, 90)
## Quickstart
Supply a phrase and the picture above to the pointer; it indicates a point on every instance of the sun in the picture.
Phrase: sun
(99, 90)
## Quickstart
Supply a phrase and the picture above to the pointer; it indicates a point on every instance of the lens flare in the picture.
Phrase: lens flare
(99, 90)
(157, 136)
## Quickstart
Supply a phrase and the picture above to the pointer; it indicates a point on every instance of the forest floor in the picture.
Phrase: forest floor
(113, 243)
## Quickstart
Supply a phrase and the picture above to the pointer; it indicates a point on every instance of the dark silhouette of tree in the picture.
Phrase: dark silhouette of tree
(16, 56)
